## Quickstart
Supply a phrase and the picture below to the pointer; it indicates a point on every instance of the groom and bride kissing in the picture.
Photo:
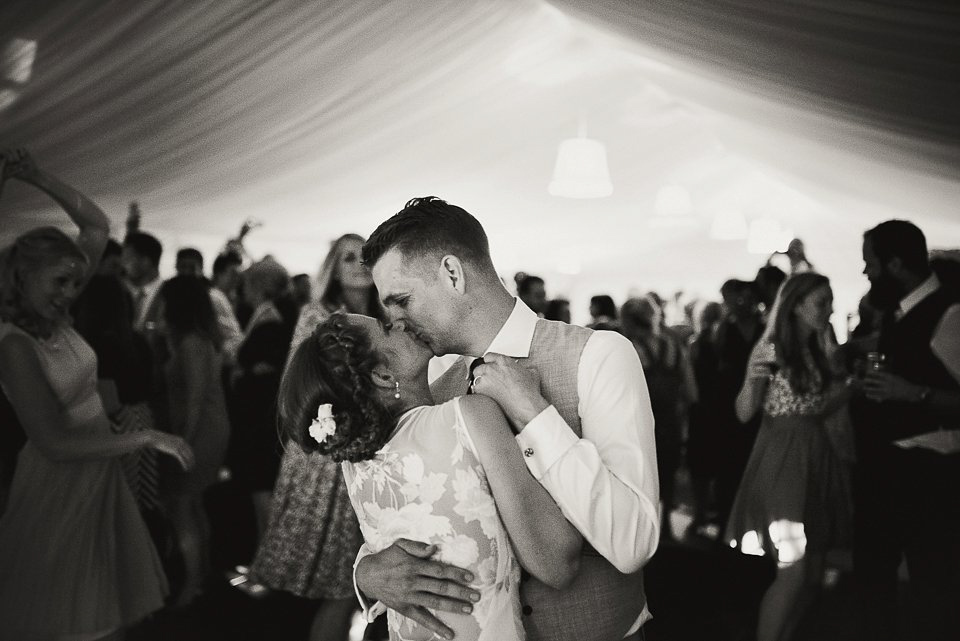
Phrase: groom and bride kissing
(515, 497)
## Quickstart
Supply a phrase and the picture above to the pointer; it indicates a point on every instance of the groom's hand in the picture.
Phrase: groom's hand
(403, 578)
(515, 388)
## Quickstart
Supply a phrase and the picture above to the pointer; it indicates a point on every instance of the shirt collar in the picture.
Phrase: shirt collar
(516, 335)
(915, 297)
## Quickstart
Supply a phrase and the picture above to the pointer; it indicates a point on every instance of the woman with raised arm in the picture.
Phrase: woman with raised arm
(76, 560)
(448, 475)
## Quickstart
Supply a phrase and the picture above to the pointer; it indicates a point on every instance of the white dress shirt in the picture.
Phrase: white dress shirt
(945, 344)
(143, 297)
(606, 481)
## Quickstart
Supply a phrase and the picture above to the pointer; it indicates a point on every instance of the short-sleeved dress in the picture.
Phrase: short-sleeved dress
(75, 556)
(794, 496)
(312, 538)
(426, 484)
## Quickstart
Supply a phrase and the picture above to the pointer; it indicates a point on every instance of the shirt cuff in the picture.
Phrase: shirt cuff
(544, 440)
(369, 612)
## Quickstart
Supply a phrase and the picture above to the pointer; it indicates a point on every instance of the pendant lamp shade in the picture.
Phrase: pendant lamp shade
(581, 170)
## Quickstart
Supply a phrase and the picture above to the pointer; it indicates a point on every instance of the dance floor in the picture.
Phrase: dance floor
(697, 590)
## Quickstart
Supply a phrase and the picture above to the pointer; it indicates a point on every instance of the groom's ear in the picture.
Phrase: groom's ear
(451, 271)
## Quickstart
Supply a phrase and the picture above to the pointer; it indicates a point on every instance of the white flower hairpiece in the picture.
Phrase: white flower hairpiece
(324, 424)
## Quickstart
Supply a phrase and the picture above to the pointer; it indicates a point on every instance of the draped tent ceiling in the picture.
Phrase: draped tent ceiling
(320, 118)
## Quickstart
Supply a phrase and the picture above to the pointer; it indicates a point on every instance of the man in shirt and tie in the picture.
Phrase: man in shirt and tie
(577, 401)
(907, 426)
(141, 261)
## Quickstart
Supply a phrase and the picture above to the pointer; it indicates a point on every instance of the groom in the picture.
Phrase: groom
(577, 401)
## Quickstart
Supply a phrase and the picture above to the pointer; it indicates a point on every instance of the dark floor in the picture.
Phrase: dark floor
(696, 590)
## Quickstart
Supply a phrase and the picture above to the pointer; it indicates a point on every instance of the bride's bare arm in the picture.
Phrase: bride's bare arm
(546, 544)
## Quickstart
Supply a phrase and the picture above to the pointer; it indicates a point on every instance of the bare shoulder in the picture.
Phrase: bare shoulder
(15, 346)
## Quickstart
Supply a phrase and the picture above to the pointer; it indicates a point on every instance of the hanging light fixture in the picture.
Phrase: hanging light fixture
(581, 169)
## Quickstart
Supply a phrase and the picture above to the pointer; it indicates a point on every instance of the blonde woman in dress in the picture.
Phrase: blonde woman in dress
(76, 560)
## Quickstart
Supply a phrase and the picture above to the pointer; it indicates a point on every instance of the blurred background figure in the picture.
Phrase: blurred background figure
(198, 413)
(112, 262)
(737, 332)
(189, 262)
(558, 309)
(141, 264)
(532, 291)
(672, 388)
(704, 440)
(603, 313)
(255, 448)
(302, 289)
(313, 535)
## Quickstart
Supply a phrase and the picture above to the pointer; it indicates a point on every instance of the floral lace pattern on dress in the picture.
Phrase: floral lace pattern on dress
(782, 400)
(427, 485)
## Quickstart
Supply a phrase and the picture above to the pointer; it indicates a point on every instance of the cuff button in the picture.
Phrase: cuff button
(528, 452)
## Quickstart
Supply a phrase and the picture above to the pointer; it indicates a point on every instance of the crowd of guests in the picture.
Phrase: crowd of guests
(127, 397)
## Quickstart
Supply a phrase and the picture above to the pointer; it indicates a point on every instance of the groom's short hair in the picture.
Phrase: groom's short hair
(430, 225)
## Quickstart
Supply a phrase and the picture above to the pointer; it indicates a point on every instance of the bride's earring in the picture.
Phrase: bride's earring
(396, 394)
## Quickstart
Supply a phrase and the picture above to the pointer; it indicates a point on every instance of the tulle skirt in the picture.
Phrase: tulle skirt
(76, 558)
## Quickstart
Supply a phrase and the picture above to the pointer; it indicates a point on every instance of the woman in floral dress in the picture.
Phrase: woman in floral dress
(448, 475)
(312, 537)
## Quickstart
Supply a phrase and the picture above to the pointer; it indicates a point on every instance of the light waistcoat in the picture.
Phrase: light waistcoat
(601, 604)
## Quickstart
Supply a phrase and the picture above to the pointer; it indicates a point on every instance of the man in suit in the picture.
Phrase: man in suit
(579, 406)
(907, 431)
(141, 261)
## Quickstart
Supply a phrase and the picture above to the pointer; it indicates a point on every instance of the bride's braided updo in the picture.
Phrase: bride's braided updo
(333, 365)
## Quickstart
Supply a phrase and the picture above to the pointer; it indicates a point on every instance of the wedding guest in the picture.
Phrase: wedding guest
(669, 379)
(448, 476)
(578, 401)
(736, 334)
(198, 413)
(313, 537)
(302, 289)
(603, 313)
(141, 262)
(76, 560)
(792, 502)
(112, 262)
(255, 459)
(226, 274)
(558, 309)
(532, 291)
(189, 262)
(767, 283)
(908, 443)
(103, 316)
(705, 442)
